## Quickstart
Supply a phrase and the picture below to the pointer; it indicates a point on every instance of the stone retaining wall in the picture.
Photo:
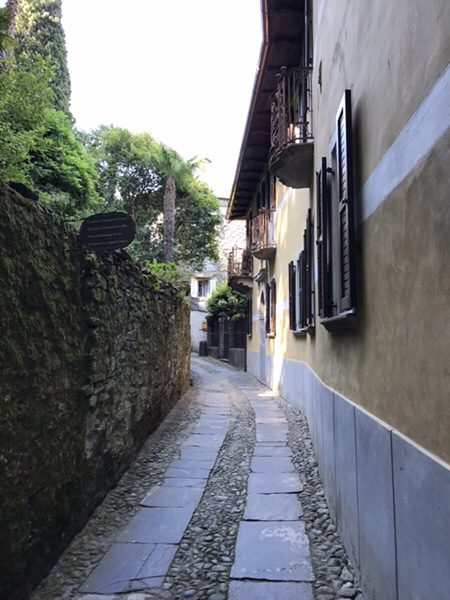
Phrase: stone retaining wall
(93, 354)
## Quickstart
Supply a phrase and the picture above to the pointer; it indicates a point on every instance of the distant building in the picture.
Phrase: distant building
(344, 182)
(203, 283)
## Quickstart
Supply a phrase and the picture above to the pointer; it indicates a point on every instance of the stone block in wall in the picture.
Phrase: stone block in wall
(375, 507)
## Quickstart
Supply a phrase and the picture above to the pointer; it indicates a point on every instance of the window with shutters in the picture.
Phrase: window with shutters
(271, 308)
(335, 228)
(301, 284)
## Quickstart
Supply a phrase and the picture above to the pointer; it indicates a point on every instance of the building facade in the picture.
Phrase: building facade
(343, 181)
(204, 282)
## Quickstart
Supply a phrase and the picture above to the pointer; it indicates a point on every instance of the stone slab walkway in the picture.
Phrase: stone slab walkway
(224, 517)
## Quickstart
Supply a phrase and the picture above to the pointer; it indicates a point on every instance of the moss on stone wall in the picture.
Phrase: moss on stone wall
(92, 358)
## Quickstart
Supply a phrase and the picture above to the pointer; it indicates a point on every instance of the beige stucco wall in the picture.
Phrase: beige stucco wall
(389, 54)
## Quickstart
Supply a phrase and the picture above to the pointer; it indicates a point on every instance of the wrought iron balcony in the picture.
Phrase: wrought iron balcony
(240, 269)
(291, 135)
(263, 242)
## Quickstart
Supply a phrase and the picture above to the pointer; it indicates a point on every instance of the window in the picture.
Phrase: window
(203, 288)
(271, 306)
(266, 193)
(336, 247)
(301, 283)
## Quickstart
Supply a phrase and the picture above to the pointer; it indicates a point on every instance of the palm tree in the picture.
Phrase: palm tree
(13, 7)
(177, 172)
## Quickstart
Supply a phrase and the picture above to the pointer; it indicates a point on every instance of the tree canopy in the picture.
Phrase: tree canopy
(38, 145)
(132, 177)
(106, 169)
(38, 30)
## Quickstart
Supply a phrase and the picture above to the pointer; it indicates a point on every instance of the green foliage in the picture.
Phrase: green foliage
(169, 276)
(38, 146)
(39, 31)
(226, 300)
(62, 169)
(5, 39)
(197, 220)
(126, 166)
(131, 177)
(24, 102)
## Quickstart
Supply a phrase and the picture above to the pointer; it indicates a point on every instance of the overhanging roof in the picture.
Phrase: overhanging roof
(283, 23)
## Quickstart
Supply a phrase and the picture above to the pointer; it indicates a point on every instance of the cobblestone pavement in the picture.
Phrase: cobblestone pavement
(224, 501)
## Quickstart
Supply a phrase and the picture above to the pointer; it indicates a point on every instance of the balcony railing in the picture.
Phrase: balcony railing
(291, 135)
(239, 263)
(263, 243)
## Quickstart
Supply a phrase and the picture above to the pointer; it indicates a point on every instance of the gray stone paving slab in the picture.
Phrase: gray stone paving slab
(272, 550)
(280, 444)
(269, 590)
(181, 482)
(274, 483)
(267, 413)
(166, 496)
(189, 472)
(269, 464)
(203, 439)
(164, 525)
(273, 507)
(195, 453)
(121, 563)
(96, 597)
(271, 428)
(211, 429)
(182, 463)
(158, 562)
(272, 451)
(271, 436)
(202, 442)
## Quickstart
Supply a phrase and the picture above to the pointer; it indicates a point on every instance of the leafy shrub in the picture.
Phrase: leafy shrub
(225, 300)
(168, 275)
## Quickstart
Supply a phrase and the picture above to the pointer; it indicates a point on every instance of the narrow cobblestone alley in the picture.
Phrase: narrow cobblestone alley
(223, 501)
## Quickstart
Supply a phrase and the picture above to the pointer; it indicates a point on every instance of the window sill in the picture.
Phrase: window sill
(341, 322)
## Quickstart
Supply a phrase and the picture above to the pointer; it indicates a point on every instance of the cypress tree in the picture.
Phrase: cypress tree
(38, 30)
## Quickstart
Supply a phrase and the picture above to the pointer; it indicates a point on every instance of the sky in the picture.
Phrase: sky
(182, 70)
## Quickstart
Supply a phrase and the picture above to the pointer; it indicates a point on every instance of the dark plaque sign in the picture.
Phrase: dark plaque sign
(107, 231)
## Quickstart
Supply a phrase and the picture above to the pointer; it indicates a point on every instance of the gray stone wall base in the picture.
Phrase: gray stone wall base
(237, 358)
(213, 351)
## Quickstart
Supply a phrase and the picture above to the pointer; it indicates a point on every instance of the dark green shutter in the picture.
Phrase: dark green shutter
(309, 253)
(249, 315)
(273, 306)
(301, 290)
(324, 243)
(346, 208)
(291, 281)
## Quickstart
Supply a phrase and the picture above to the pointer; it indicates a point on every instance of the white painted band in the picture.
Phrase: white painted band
(430, 121)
